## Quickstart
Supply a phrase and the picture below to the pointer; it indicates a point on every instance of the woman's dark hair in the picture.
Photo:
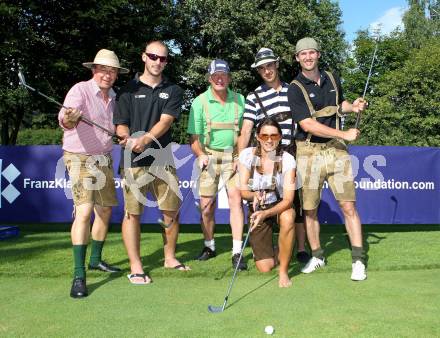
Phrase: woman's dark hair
(269, 122)
(279, 151)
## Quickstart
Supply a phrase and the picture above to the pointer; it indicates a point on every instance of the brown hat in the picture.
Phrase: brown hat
(106, 57)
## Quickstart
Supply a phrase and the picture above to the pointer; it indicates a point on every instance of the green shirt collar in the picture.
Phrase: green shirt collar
(229, 98)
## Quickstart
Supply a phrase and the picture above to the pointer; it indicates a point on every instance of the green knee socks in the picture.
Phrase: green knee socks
(79, 258)
(95, 256)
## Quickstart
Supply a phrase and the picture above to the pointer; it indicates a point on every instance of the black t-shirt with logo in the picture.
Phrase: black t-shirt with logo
(321, 96)
(140, 107)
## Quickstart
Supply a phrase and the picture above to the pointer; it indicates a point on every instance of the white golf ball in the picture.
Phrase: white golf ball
(269, 329)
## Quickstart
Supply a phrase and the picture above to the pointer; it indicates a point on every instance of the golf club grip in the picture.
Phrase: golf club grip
(87, 120)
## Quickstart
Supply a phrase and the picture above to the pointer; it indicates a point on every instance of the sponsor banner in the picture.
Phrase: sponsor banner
(394, 185)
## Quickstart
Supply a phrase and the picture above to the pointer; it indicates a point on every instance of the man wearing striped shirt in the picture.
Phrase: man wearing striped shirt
(270, 99)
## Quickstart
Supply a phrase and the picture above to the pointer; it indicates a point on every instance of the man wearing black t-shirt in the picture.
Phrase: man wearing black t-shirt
(317, 102)
(145, 109)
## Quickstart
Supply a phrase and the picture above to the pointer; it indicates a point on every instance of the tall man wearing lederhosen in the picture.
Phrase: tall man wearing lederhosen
(317, 102)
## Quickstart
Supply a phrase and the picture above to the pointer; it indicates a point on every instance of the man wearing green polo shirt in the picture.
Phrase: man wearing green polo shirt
(214, 123)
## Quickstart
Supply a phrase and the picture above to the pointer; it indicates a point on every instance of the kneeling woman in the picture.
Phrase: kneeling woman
(267, 178)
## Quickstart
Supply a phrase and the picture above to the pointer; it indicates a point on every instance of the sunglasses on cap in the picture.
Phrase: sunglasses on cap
(264, 53)
(273, 137)
(154, 57)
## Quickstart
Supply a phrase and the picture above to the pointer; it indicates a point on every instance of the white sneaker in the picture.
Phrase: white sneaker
(358, 273)
(313, 264)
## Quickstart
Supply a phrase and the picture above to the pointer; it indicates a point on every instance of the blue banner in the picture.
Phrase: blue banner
(394, 185)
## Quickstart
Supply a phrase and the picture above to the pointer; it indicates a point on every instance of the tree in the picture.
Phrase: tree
(50, 40)
(403, 110)
(418, 27)
(235, 30)
(392, 52)
(407, 102)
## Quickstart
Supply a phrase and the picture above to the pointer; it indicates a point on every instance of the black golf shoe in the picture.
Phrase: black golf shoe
(241, 264)
(79, 288)
(206, 254)
(302, 257)
(103, 266)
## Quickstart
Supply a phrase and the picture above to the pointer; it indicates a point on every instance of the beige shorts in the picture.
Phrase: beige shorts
(92, 178)
(220, 165)
(319, 162)
(161, 182)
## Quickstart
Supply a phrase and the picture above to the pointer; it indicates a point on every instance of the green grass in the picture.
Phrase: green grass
(401, 297)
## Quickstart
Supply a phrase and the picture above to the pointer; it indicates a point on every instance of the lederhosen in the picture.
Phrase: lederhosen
(261, 237)
(329, 111)
(324, 112)
(219, 125)
(291, 149)
(271, 188)
(221, 160)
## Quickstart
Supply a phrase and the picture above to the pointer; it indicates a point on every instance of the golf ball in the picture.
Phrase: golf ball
(269, 329)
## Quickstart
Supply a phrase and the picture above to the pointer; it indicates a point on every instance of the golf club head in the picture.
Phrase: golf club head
(21, 78)
(163, 224)
(215, 309)
(376, 31)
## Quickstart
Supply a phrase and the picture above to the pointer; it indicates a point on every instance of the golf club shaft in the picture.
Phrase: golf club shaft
(358, 116)
(83, 118)
(239, 260)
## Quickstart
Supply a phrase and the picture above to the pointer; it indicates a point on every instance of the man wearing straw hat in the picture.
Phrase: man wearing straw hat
(87, 156)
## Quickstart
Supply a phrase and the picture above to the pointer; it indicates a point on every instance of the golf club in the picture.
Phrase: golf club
(212, 201)
(217, 309)
(161, 222)
(358, 117)
(83, 118)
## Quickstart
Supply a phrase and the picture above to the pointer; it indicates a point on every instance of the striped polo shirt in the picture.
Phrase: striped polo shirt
(274, 102)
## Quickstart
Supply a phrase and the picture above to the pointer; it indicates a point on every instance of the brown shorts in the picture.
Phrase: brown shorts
(220, 165)
(161, 182)
(261, 237)
(319, 162)
(92, 178)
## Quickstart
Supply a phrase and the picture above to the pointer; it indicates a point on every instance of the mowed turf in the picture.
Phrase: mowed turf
(400, 298)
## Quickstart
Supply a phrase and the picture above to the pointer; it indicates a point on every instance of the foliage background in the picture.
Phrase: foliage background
(50, 39)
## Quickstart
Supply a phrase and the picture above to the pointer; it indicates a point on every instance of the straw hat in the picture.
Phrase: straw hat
(106, 57)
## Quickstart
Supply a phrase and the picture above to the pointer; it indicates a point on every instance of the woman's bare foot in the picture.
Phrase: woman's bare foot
(284, 280)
